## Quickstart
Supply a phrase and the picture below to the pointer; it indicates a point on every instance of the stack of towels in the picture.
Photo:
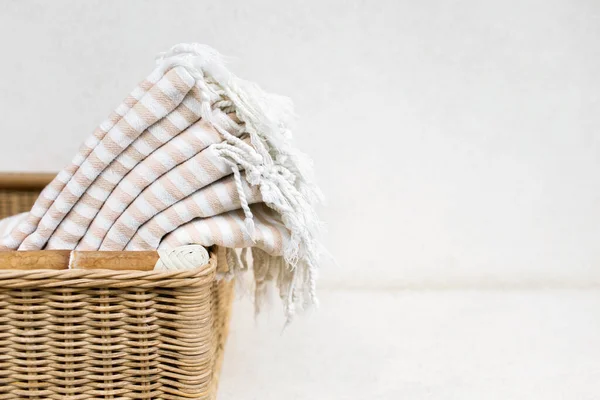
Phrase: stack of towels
(194, 155)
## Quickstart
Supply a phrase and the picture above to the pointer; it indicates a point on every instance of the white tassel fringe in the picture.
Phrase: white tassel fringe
(282, 173)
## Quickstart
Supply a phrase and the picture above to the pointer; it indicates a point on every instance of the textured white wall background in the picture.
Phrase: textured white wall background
(455, 140)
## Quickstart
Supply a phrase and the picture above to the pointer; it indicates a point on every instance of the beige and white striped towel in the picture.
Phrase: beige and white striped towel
(193, 155)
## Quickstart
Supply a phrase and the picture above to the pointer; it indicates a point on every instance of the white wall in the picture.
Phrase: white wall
(456, 141)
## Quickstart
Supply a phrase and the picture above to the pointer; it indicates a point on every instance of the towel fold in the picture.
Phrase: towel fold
(194, 155)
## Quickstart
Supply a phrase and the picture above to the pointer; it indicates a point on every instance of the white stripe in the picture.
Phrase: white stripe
(168, 89)
(159, 133)
(98, 193)
(33, 241)
(152, 105)
(165, 160)
(103, 223)
(193, 104)
(178, 120)
(111, 176)
(75, 188)
(62, 207)
(129, 188)
(115, 205)
(122, 109)
(71, 227)
(106, 126)
(89, 242)
(182, 210)
(145, 172)
(63, 176)
(155, 75)
(144, 207)
(182, 184)
(226, 231)
(203, 204)
(87, 170)
(129, 222)
(242, 228)
(223, 196)
(217, 161)
(184, 75)
(136, 122)
(118, 136)
(38, 211)
(85, 210)
(164, 223)
(78, 159)
(113, 236)
(162, 194)
(142, 146)
(198, 171)
(50, 192)
(145, 235)
(138, 93)
(183, 146)
(58, 243)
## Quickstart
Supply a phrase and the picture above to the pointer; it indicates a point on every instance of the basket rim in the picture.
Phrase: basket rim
(88, 278)
(27, 181)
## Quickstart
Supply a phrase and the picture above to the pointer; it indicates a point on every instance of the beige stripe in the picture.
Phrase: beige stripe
(174, 154)
(168, 126)
(79, 219)
(188, 114)
(258, 214)
(85, 153)
(66, 237)
(215, 232)
(139, 181)
(155, 166)
(186, 173)
(110, 215)
(146, 85)
(111, 245)
(150, 141)
(113, 119)
(119, 228)
(194, 141)
(115, 167)
(173, 217)
(171, 188)
(164, 99)
(126, 129)
(181, 86)
(132, 152)
(91, 202)
(80, 178)
(146, 115)
(137, 214)
(212, 199)
(130, 101)
(239, 237)
(93, 231)
(210, 168)
(153, 200)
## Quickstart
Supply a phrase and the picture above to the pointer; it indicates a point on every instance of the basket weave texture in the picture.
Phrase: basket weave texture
(102, 334)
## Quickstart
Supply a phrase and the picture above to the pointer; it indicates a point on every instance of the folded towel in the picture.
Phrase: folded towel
(194, 155)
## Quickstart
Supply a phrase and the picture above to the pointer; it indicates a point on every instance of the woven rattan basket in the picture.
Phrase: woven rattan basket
(105, 326)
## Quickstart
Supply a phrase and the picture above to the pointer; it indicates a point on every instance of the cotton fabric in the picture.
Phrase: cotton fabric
(193, 155)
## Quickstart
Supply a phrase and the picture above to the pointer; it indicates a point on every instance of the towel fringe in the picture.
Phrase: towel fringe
(282, 173)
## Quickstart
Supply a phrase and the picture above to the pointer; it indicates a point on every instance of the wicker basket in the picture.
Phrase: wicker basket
(109, 327)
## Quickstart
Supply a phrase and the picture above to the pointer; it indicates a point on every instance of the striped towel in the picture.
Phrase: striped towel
(194, 155)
